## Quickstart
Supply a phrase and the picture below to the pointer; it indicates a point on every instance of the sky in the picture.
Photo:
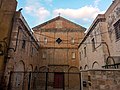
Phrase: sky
(82, 12)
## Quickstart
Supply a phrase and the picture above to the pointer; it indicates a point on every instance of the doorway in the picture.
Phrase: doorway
(59, 80)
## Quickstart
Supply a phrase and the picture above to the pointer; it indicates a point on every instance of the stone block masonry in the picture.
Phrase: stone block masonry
(101, 79)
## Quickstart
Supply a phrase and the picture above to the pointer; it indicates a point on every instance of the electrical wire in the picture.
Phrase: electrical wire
(53, 42)
(65, 41)
(53, 37)
(74, 39)
(48, 42)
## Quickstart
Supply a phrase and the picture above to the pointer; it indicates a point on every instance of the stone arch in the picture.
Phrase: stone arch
(86, 67)
(110, 61)
(73, 77)
(35, 77)
(41, 76)
(28, 76)
(95, 65)
(18, 74)
(58, 69)
(73, 69)
(30, 67)
(43, 69)
(20, 66)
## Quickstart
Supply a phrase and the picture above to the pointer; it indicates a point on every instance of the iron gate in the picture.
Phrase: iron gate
(44, 81)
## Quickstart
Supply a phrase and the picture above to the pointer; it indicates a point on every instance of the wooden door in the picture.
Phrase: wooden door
(58, 80)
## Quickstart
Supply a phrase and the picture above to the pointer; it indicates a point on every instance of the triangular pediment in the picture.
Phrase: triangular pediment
(59, 23)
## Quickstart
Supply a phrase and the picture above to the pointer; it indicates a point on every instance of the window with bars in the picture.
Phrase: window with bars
(117, 29)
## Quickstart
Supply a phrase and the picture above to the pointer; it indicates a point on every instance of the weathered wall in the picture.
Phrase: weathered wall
(107, 41)
(23, 51)
(94, 55)
(54, 53)
(101, 79)
(112, 16)
(7, 10)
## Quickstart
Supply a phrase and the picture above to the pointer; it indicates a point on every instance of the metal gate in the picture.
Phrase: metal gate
(44, 81)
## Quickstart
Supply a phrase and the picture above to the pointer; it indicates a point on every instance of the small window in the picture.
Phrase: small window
(45, 40)
(73, 55)
(23, 44)
(58, 40)
(85, 51)
(72, 40)
(93, 44)
(80, 56)
(117, 29)
(44, 55)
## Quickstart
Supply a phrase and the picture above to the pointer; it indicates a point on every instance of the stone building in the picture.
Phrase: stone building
(91, 48)
(59, 43)
(112, 16)
(48, 57)
(59, 39)
(22, 52)
(18, 46)
(7, 10)
(100, 46)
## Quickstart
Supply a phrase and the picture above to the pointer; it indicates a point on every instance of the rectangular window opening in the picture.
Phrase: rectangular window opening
(85, 51)
(93, 44)
(23, 44)
(73, 55)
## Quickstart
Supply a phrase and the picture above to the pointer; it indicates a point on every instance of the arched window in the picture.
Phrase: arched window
(86, 67)
(95, 65)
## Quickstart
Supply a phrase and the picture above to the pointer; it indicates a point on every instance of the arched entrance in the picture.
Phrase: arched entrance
(18, 75)
(35, 77)
(58, 77)
(73, 78)
(28, 79)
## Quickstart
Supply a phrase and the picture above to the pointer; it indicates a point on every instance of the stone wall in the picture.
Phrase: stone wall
(101, 80)
(65, 52)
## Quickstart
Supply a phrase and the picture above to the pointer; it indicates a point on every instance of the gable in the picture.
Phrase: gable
(59, 23)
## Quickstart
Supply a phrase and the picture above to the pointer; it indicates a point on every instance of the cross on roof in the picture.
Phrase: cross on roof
(59, 14)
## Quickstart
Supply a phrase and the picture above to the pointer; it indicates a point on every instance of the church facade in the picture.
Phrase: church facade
(59, 40)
